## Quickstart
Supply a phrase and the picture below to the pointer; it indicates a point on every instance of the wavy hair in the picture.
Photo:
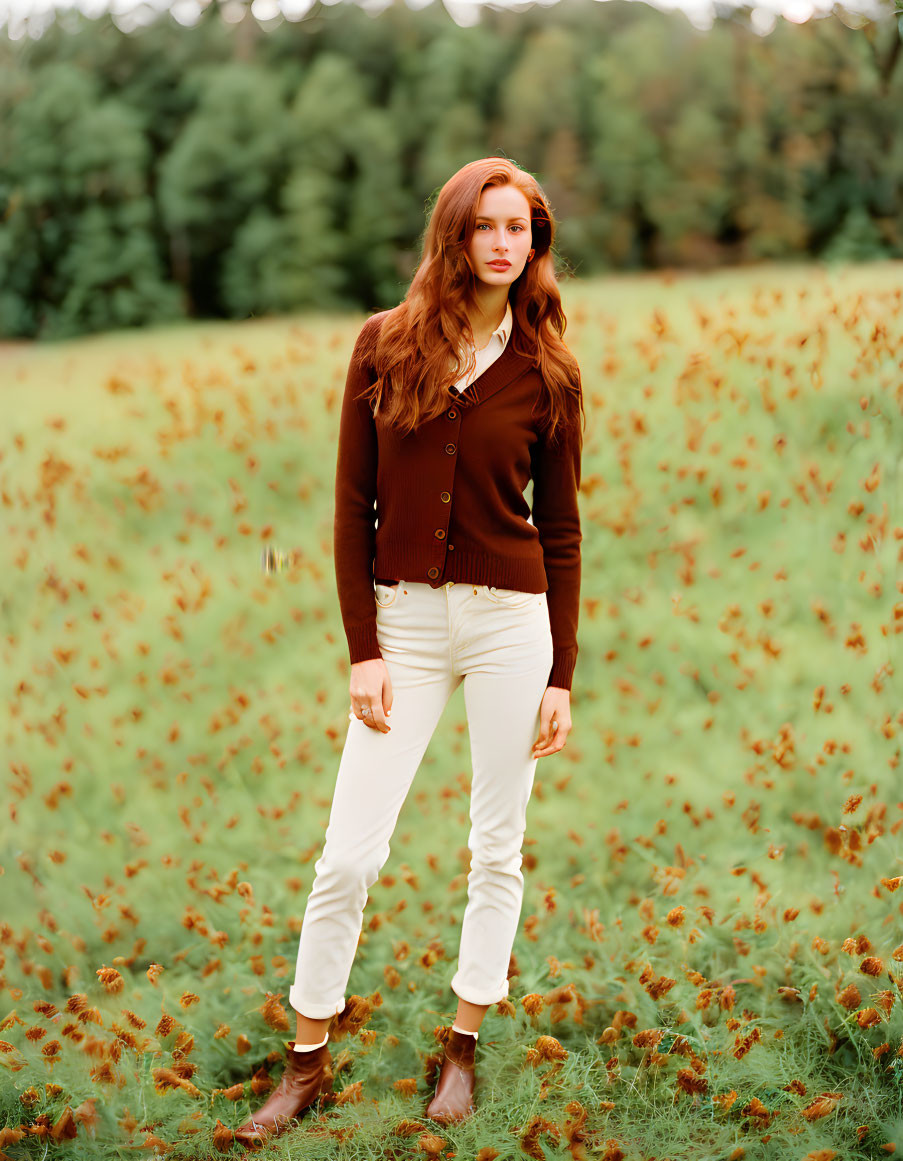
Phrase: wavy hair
(416, 355)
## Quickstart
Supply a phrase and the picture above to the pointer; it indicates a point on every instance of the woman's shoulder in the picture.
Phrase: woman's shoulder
(374, 322)
(369, 333)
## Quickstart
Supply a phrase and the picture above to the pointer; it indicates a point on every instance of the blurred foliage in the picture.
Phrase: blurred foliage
(231, 170)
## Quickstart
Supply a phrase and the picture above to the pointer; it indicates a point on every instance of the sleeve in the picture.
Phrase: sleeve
(556, 515)
(354, 526)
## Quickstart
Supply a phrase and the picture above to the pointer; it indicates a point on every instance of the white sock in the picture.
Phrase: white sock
(310, 1047)
(475, 1035)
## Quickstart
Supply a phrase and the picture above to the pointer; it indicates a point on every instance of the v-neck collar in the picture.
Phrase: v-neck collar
(500, 372)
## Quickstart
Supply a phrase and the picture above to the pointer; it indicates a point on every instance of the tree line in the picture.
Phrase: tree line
(231, 170)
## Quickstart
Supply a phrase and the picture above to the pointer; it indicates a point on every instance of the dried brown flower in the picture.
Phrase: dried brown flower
(110, 978)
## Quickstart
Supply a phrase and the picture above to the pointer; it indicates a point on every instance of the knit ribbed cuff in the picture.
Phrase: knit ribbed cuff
(362, 642)
(563, 664)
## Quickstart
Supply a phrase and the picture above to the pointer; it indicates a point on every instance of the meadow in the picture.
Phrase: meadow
(710, 956)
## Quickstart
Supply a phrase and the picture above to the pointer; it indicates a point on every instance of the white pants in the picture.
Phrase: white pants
(499, 643)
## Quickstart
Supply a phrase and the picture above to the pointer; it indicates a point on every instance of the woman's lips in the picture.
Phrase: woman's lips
(502, 265)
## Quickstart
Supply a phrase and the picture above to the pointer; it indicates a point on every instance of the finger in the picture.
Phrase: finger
(371, 714)
(367, 718)
(553, 744)
(378, 718)
(545, 729)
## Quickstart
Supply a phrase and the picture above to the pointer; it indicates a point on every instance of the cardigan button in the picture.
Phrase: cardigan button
(452, 414)
(439, 533)
(433, 573)
(445, 497)
(450, 448)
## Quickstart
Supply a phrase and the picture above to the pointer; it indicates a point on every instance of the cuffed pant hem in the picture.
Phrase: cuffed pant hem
(313, 1011)
(471, 997)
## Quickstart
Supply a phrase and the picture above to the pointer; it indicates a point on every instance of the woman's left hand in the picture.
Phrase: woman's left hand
(555, 707)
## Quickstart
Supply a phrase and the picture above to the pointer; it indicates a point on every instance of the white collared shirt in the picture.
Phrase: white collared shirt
(498, 340)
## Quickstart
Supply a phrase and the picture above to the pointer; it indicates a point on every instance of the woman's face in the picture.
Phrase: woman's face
(501, 234)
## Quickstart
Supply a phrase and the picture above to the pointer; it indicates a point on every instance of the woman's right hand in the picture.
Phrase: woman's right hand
(371, 687)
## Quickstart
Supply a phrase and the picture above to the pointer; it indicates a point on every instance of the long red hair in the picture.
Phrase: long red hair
(416, 356)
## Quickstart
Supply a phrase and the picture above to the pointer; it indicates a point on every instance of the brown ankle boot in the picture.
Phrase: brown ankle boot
(453, 1100)
(307, 1076)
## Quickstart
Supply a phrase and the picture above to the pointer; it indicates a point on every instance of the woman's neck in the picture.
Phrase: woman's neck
(485, 314)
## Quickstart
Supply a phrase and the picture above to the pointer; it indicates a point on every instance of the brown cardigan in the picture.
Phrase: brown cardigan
(449, 501)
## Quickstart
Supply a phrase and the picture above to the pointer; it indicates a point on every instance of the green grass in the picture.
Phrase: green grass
(721, 828)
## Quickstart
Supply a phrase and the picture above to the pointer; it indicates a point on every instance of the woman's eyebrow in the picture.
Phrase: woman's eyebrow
(486, 218)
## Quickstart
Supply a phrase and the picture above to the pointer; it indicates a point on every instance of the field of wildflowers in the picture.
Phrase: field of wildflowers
(710, 958)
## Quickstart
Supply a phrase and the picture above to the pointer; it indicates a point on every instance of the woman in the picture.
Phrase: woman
(454, 400)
